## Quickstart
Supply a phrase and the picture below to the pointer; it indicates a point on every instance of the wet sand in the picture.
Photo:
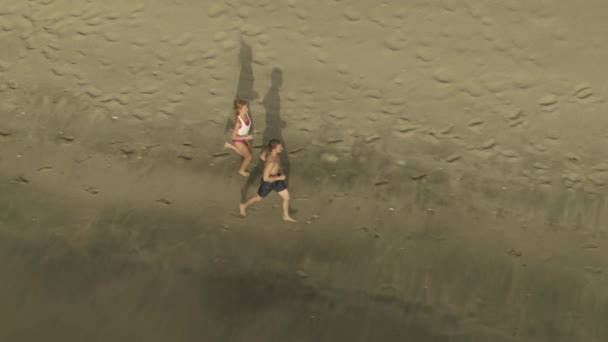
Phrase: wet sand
(446, 161)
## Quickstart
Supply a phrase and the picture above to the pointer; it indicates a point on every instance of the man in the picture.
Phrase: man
(272, 179)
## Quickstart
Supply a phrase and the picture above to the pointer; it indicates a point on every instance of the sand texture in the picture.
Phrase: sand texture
(447, 162)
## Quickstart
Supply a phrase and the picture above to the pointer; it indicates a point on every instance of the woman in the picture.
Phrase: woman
(240, 134)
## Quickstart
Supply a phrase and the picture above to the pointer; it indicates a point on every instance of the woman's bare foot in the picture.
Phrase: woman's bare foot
(243, 209)
(288, 219)
(244, 173)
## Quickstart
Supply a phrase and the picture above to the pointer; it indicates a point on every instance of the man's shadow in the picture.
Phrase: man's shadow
(273, 130)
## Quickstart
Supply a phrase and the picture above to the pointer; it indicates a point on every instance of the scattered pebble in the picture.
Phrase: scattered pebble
(163, 200)
(127, 150)
(514, 252)
(64, 137)
(22, 180)
(92, 190)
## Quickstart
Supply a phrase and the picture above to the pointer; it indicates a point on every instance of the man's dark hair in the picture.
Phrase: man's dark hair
(273, 143)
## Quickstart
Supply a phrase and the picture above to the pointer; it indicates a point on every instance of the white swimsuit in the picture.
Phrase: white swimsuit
(245, 126)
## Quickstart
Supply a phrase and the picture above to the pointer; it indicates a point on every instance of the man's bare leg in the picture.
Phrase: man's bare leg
(285, 196)
(243, 206)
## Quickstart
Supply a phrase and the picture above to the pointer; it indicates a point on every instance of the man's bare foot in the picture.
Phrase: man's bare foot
(288, 219)
(244, 173)
(242, 209)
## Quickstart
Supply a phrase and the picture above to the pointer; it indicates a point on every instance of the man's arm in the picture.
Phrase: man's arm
(267, 167)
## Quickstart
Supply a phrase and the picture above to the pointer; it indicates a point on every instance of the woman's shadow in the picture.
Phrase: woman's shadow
(273, 130)
(244, 88)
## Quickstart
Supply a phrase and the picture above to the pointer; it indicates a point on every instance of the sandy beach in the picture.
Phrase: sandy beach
(446, 160)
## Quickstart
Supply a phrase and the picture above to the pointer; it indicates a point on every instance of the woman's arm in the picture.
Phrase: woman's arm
(235, 129)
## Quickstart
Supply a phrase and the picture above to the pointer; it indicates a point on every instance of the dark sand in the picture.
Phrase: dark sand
(447, 162)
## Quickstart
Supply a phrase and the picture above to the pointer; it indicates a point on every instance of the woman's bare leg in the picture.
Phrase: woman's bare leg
(244, 151)
(232, 147)
(285, 196)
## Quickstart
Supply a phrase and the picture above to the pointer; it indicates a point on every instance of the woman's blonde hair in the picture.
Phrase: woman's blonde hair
(238, 104)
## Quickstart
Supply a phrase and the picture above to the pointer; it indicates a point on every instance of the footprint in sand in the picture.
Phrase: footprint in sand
(216, 10)
(139, 42)
(583, 91)
(183, 40)
(167, 110)
(150, 89)
(598, 178)
(453, 158)
(93, 92)
(4, 66)
(424, 54)
(316, 42)
(252, 30)
(442, 75)
(508, 154)
(488, 144)
(471, 88)
(176, 98)
(476, 124)
(342, 69)
(351, 14)
(395, 42)
(244, 12)
(375, 94)
(548, 103)
(322, 57)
